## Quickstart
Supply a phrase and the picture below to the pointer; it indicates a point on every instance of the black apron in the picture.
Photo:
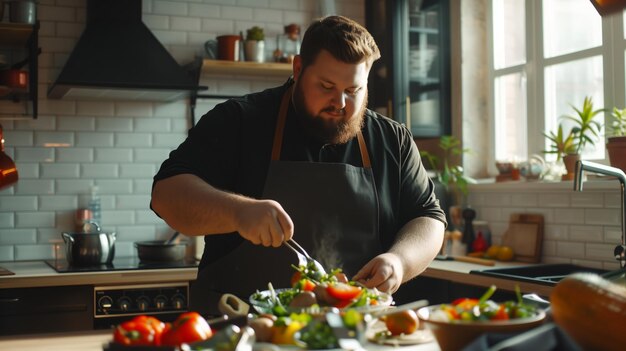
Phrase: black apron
(334, 208)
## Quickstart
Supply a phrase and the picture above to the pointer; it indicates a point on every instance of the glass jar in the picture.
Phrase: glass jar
(288, 44)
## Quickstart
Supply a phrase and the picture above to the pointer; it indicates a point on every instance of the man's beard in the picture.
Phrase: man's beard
(324, 130)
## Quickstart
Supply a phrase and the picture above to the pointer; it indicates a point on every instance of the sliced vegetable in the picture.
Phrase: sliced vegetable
(343, 291)
(188, 327)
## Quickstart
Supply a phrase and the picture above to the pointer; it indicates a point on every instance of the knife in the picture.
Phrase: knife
(468, 259)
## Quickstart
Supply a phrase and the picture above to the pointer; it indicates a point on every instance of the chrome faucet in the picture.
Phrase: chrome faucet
(620, 250)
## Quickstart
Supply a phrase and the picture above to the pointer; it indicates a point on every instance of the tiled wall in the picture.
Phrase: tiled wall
(580, 227)
(119, 145)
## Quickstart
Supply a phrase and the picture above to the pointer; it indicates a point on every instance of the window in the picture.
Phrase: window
(547, 56)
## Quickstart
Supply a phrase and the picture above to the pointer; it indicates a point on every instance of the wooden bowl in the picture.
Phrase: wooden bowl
(455, 335)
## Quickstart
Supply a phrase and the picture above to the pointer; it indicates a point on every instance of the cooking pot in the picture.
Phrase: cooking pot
(160, 251)
(89, 249)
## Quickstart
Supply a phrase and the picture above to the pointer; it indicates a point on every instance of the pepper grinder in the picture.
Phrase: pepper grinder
(468, 233)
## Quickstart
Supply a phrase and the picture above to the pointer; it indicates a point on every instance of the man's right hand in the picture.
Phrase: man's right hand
(264, 222)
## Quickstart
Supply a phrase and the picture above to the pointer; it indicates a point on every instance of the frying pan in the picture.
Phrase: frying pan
(8, 171)
(161, 251)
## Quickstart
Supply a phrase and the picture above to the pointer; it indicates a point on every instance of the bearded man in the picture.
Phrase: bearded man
(308, 161)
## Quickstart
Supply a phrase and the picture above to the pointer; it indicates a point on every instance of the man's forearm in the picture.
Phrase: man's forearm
(417, 244)
(191, 206)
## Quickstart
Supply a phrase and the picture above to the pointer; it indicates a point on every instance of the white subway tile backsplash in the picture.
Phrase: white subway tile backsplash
(134, 109)
(6, 253)
(42, 122)
(170, 8)
(114, 217)
(586, 233)
(18, 203)
(18, 236)
(74, 154)
(58, 107)
(125, 249)
(73, 186)
(34, 219)
(553, 200)
(54, 139)
(569, 216)
(86, 139)
(498, 199)
(34, 187)
(204, 10)
(570, 249)
(610, 216)
(95, 108)
(185, 24)
(115, 124)
(600, 251)
(17, 138)
(136, 233)
(297, 17)
(612, 234)
(151, 155)
(69, 30)
(115, 186)
(180, 125)
(169, 140)
(143, 186)
(60, 170)
(612, 200)
(133, 140)
(156, 21)
(147, 216)
(117, 155)
(137, 170)
(75, 124)
(524, 200)
(7, 220)
(132, 202)
(170, 37)
(283, 4)
(34, 252)
(217, 26)
(27, 170)
(34, 154)
(57, 202)
(267, 15)
(557, 232)
(236, 13)
(51, 236)
(587, 199)
(151, 124)
(99, 170)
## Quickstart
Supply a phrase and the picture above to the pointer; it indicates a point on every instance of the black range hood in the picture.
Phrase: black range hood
(118, 58)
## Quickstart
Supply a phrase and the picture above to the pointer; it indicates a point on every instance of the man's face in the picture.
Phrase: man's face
(330, 97)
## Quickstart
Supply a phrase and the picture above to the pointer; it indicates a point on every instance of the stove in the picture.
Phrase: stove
(119, 264)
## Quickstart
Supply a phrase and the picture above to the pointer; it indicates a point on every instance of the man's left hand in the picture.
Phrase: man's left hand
(384, 272)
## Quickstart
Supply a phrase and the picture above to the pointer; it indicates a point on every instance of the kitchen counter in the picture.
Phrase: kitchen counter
(93, 341)
(39, 274)
(29, 274)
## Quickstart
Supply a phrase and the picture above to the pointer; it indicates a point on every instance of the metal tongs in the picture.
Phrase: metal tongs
(304, 259)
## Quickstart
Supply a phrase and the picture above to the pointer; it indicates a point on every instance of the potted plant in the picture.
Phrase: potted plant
(586, 131)
(616, 142)
(254, 48)
(450, 176)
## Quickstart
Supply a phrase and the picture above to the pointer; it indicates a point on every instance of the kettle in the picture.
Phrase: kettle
(89, 249)
(8, 170)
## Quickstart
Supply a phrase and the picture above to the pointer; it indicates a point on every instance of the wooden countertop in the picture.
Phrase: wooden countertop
(94, 341)
(38, 274)
(30, 274)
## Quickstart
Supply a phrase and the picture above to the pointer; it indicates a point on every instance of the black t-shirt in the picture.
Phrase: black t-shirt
(230, 148)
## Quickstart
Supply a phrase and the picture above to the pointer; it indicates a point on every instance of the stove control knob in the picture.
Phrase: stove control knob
(143, 303)
(124, 304)
(178, 301)
(160, 301)
(105, 303)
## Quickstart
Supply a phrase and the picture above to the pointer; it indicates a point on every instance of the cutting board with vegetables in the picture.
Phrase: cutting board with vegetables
(525, 236)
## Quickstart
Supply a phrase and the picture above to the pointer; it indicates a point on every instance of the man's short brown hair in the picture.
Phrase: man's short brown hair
(342, 37)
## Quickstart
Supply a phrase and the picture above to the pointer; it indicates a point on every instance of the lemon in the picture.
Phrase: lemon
(492, 251)
(505, 254)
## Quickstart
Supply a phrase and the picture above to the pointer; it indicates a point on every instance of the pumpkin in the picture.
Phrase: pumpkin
(592, 310)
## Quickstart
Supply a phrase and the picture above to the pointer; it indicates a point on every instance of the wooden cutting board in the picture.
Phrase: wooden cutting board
(525, 236)
(4, 271)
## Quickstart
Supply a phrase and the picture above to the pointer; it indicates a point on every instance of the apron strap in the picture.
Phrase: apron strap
(280, 128)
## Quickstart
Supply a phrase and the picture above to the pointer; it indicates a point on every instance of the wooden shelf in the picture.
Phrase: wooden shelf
(246, 68)
(14, 34)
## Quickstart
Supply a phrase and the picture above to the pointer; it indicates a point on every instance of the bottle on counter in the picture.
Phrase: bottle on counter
(468, 232)
(94, 206)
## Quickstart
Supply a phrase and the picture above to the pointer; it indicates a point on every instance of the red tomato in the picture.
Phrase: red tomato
(187, 328)
(134, 333)
(465, 303)
(501, 314)
(343, 291)
(403, 322)
(295, 278)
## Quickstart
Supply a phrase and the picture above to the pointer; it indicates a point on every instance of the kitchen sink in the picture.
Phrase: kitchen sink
(545, 274)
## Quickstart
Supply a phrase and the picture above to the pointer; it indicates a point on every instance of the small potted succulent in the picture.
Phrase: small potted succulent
(254, 48)
(616, 141)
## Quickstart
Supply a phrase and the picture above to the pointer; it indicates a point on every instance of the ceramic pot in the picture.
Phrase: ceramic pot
(616, 148)
(570, 166)
(255, 50)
